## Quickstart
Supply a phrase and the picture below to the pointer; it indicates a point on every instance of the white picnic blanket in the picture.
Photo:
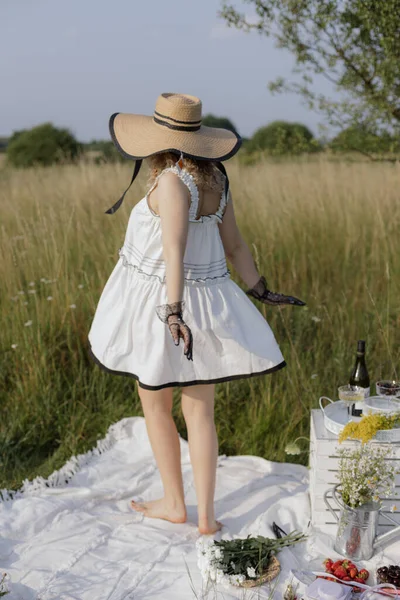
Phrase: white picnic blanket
(81, 540)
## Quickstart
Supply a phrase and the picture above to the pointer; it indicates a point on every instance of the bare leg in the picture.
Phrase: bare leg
(164, 440)
(198, 412)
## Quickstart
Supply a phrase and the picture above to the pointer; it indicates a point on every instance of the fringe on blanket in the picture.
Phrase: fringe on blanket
(116, 431)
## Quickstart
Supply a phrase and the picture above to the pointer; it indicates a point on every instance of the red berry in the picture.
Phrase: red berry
(364, 574)
(328, 560)
(359, 580)
(347, 578)
(337, 564)
(353, 573)
(340, 572)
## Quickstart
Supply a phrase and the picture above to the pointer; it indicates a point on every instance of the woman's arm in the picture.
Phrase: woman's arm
(238, 253)
(236, 249)
(173, 208)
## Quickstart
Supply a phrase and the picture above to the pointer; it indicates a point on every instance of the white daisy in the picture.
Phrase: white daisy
(251, 572)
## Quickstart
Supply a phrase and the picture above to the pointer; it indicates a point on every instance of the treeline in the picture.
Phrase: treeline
(47, 144)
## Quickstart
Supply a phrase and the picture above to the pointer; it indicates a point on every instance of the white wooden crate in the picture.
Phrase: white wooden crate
(324, 461)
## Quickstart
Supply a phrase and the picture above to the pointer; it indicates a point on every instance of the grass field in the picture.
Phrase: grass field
(328, 232)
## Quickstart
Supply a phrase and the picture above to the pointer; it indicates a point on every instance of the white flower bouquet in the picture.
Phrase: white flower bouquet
(241, 560)
(4, 584)
(365, 474)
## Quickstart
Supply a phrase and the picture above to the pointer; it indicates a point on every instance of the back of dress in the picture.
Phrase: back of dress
(231, 338)
(204, 260)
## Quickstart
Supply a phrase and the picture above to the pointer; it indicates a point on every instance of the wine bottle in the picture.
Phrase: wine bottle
(359, 378)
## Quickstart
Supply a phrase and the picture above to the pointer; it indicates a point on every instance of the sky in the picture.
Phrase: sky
(75, 62)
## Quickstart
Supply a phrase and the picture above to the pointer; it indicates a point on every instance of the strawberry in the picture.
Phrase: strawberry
(364, 574)
(340, 572)
(345, 564)
(353, 573)
(328, 560)
(347, 578)
(359, 580)
(337, 564)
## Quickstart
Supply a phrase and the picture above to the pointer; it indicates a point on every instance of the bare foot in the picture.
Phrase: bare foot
(161, 509)
(207, 527)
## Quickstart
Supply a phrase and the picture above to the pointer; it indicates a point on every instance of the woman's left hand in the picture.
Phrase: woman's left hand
(261, 292)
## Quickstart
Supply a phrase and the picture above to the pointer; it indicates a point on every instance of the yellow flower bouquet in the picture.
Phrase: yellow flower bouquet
(369, 425)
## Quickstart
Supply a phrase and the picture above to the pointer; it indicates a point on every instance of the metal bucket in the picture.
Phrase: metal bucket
(356, 535)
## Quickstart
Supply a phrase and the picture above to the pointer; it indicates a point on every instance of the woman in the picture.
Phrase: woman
(171, 282)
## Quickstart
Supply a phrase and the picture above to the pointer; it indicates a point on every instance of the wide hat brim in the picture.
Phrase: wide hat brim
(139, 136)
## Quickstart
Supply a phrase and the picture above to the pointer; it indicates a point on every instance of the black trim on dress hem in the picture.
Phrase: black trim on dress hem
(183, 383)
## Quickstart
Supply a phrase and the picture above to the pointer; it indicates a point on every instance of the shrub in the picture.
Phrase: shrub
(362, 139)
(105, 151)
(282, 137)
(43, 145)
(223, 122)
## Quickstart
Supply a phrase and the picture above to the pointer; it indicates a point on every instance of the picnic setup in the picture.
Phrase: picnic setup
(329, 531)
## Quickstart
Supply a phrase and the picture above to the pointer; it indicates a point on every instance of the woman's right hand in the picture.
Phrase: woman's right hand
(179, 329)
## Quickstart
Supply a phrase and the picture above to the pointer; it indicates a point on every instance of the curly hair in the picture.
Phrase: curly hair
(204, 172)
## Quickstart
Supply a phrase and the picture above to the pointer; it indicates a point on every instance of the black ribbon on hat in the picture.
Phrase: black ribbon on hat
(115, 207)
(138, 164)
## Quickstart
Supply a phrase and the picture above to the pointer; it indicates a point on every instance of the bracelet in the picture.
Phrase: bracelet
(166, 310)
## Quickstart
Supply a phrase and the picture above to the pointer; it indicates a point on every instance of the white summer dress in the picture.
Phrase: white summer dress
(231, 338)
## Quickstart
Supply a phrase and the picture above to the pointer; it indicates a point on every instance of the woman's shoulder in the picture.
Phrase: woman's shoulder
(173, 178)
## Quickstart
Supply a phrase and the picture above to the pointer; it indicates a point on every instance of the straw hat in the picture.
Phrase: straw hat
(174, 127)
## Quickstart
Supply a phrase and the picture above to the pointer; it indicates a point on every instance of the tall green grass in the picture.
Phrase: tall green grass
(328, 232)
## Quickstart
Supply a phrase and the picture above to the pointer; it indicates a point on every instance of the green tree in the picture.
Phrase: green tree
(3, 144)
(223, 122)
(357, 137)
(106, 150)
(355, 44)
(42, 145)
(282, 137)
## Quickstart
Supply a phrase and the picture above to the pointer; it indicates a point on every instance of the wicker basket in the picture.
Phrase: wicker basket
(269, 574)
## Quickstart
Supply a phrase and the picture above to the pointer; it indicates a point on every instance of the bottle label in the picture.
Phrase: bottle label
(366, 391)
(358, 406)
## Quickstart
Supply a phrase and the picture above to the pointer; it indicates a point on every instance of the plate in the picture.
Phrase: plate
(336, 417)
(381, 404)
